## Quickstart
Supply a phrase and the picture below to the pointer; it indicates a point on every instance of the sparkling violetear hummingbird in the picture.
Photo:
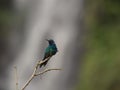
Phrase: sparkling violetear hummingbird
(50, 51)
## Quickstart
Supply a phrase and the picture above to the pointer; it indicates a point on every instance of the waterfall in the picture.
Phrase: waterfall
(50, 19)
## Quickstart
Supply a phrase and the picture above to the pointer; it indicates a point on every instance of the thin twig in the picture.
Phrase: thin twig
(32, 76)
(40, 73)
(42, 61)
(16, 78)
(35, 72)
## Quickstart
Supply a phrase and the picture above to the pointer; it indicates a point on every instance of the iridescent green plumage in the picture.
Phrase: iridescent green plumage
(50, 51)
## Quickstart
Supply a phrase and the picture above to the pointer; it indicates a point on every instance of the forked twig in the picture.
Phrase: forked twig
(40, 73)
(35, 72)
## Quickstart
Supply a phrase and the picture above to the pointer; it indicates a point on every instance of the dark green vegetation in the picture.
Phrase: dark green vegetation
(5, 29)
(101, 67)
(5, 17)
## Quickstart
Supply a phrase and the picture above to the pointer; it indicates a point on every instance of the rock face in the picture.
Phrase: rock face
(60, 20)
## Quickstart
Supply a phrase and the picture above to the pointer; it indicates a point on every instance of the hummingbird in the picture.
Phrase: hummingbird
(50, 51)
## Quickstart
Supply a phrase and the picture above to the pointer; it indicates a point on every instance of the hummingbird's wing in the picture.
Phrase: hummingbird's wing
(46, 55)
(49, 52)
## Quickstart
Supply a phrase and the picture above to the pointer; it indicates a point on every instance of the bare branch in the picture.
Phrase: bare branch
(27, 83)
(40, 73)
(32, 76)
(16, 78)
(34, 72)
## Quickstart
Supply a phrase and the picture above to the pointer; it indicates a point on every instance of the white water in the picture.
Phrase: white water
(54, 19)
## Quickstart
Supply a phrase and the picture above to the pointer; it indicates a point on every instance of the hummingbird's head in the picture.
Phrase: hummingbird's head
(50, 41)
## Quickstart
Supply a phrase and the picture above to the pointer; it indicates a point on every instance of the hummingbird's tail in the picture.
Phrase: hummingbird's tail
(44, 64)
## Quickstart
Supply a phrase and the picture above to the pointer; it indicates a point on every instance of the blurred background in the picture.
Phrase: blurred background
(87, 36)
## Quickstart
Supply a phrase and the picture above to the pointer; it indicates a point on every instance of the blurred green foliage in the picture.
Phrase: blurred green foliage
(5, 17)
(101, 67)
